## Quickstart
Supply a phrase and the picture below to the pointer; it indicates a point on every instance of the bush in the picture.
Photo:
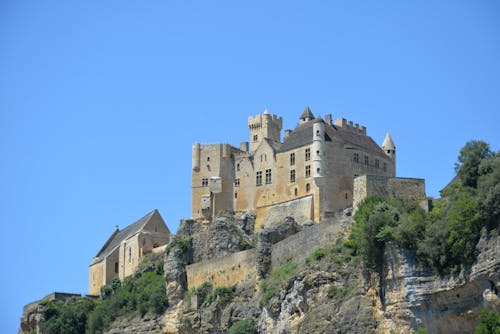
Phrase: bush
(224, 294)
(182, 242)
(246, 326)
(490, 323)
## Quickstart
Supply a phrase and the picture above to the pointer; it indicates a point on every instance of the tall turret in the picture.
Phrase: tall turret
(318, 147)
(264, 126)
(388, 146)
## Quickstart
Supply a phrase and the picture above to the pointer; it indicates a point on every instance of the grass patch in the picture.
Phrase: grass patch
(271, 286)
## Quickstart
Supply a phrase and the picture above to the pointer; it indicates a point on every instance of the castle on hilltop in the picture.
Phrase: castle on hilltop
(310, 175)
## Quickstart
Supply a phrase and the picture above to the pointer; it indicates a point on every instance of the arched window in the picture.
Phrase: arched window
(296, 191)
(308, 187)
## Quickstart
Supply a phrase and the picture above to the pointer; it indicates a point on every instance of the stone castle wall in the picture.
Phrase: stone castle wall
(300, 245)
(226, 271)
(387, 187)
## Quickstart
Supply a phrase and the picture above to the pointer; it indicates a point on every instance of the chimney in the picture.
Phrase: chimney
(328, 119)
(287, 133)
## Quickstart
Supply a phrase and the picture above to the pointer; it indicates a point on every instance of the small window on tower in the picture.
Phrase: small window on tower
(237, 182)
(237, 167)
(317, 132)
(255, 137)
(236, 195)
(308, 187)
(208, 158)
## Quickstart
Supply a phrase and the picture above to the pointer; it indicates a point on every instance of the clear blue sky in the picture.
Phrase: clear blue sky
(100, 102)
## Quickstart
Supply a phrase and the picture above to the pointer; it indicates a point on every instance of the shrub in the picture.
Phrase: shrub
(489, 324)
(182, 242)
(246, 326)
(224, 294)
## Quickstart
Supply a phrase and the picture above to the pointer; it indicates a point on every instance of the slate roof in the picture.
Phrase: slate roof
(303, 135)
(307, 114)
(118, 236)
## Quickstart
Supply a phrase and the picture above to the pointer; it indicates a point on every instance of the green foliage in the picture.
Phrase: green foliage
(469, 160)
(421, 330)
(489, 324)
(68, 318)
(140, 294)
(317, 255)
(488, 191)
(224, 295)
(271, 286)
(182, 242)
(246, 326)
(336, 292)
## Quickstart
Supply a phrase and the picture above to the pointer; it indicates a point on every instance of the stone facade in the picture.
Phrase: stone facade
(226, 271)
(405, 188)
(317, 160)
(120, 255)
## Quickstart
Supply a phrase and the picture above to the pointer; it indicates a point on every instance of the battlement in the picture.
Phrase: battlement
(350, 125)
(258, 120)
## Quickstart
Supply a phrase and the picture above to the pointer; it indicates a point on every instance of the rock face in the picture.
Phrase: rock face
(414, 297)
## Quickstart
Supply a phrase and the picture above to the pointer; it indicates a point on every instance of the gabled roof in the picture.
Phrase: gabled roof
(118, 236)
(303, 136)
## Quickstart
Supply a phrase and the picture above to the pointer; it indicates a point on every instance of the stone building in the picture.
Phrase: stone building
(309, 175)
(120, 255)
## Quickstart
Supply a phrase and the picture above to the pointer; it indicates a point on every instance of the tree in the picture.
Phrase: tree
(469, 160)
(490, 323)
(488, 191)
(246, 326)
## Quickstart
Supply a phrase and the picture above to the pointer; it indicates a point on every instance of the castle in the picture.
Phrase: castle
(309, 175)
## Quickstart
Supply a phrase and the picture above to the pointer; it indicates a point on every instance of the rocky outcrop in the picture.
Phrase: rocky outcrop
(269, 236)
(414, 297)
(225, 235)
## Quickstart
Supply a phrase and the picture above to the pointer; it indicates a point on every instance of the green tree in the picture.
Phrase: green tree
(469, 160)
(488, 191)
(490, 323)
(246, 326)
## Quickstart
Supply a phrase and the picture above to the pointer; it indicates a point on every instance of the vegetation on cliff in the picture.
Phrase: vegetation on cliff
(139, 294)
(445, 238)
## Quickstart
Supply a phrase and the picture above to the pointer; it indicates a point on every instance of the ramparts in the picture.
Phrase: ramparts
(387, 187)
(226, 271)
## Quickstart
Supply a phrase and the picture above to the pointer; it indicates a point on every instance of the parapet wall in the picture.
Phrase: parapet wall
(300, 245)
(387, 187)
(226, 271)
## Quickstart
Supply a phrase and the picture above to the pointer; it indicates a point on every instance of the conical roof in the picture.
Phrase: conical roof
(307, 114)
(388, 144)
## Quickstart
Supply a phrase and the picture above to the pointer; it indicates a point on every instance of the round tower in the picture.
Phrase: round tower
(390, 150)
(196, 157)
(318, 146)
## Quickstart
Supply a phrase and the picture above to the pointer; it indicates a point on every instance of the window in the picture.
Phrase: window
(116, 267)
(318, 170)
(255, 137)
(292, 159)
(258, 178)
(366, 160)
(308, 154)
(356, 157)
(308, 170)
(292, 175)
(345, 195)
(208, 168)
(308, 187)
(268, 176)
(317, 152)
(317, 133)
(296, 192)
(204, 182)
(129, 254)
(236, 195)
(237, 182)
(238, 167)
(377, 163)
(208, 158)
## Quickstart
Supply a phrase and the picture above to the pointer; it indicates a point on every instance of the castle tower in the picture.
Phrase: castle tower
(390, 149)
(306, 116)
(264, 126)
(318, 147)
